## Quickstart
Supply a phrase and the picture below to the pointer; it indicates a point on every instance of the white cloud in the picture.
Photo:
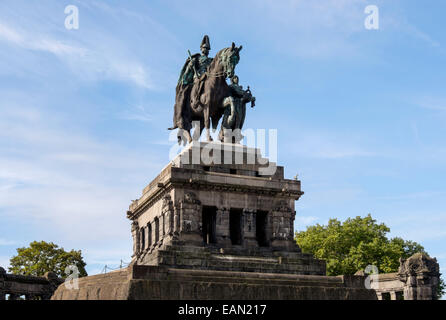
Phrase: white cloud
(88, 64)
(38, 42)
(68, 180)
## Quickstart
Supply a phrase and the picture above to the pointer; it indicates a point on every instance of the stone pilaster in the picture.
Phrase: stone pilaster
(135, 236)
(153, 233)
(281, 218)
(168, 213)
(190, 219)
(176, 221)
(222, 226)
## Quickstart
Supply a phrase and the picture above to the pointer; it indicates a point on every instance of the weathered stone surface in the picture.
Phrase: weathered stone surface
(28, 286)
(162, 283)
(236, 199)
(416, 279)
(218, 230)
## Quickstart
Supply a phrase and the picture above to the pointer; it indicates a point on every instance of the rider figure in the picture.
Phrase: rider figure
(194, 68)
(204, 61)
(197, 64)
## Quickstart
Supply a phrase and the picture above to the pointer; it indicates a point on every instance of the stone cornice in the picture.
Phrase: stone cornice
(197, 180)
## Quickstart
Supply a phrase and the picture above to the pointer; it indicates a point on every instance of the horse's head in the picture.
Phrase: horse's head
(229, 58)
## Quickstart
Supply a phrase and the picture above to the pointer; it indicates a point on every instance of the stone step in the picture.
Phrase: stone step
(257, 281)
(235, 265)
(289, 257)
(261, 252)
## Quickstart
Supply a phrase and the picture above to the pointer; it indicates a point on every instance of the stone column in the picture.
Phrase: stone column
(146, 236)
(153, 234)
(222, 224)
(161, 230)
(168, 213)
(176, 222)
(136, 241)
(142, 238)
(392, 295)
(249, 228)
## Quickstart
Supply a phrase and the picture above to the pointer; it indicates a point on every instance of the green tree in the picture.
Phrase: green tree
(356, 243)
(41, 257)
(352, 245)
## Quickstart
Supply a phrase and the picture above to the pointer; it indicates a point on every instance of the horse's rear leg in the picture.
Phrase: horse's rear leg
(198, 128)
(184, 137)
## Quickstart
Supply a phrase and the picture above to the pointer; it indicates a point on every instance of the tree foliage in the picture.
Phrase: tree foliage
(354, 244)
(41, 257)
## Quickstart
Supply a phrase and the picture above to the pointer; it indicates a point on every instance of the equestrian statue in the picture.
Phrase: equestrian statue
(203, 95)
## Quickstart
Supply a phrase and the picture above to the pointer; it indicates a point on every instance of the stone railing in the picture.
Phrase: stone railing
(417, 279)
(15, 287)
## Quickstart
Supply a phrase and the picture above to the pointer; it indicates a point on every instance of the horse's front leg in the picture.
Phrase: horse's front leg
(207, 123)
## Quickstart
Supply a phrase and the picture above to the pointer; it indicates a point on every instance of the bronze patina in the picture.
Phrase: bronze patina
(203, 95)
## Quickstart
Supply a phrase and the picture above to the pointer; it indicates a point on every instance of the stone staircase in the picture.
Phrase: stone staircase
(262, 260)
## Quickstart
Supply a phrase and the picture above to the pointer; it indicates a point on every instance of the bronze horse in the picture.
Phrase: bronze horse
(211, 94)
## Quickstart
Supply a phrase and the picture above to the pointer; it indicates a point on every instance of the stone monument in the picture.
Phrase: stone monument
(226, 216)
(218, 220)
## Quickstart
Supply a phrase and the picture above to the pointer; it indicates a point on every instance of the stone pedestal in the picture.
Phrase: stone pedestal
(220, 198)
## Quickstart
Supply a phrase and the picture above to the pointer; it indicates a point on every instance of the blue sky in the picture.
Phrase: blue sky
(360, 113)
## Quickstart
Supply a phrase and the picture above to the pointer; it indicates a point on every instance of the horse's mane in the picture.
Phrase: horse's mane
(217, 58)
